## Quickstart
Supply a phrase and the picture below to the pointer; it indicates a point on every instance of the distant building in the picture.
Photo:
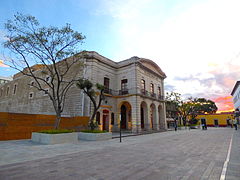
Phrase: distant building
(134, 93)
(171, 114)
(217, 120)
(4, 80)
(236, 95)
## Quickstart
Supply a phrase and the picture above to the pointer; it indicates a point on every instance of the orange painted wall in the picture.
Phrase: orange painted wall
(20, 126)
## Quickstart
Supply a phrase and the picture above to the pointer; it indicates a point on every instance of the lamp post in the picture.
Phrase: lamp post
(120, 117)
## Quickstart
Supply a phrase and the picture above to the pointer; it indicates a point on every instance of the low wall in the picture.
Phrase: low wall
(15, 126)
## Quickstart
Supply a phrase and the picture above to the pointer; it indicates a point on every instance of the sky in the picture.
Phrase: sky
(195, 42)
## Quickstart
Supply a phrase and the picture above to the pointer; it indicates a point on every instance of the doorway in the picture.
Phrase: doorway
(123, 117)
(105, 120)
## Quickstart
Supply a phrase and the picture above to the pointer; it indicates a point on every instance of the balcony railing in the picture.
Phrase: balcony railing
(123, 91)
(142, 92)
(107, 91)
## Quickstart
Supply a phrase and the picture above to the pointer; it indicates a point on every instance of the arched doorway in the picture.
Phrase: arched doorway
(152, 116)
(125, 112)
(123, 117)
(143, 111)
(105, 120)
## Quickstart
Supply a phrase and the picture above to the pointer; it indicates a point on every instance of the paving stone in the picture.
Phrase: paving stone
(189, 155)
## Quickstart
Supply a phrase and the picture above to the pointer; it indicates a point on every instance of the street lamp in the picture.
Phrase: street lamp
(120, 117)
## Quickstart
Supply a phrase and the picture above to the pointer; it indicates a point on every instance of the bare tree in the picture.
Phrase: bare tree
(39, 51)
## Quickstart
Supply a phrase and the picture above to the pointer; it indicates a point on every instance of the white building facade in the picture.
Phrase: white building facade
(134, 94)
(236, 95)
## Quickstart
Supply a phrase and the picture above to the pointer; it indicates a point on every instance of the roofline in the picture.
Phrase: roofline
(9, 78)
(235, 87)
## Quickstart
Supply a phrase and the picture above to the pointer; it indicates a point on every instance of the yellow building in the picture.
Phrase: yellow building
(217, 120)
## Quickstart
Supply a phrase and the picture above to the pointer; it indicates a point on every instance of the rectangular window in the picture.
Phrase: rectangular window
(106, 85)
(124, 84)
(124, 87)
(151, 88)
(143, 86)
(159, 91)
(106, 82)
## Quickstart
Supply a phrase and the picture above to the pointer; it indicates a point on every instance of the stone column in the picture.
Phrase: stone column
(136, 119)
(164, 117)
(117, 119)
(157, 119)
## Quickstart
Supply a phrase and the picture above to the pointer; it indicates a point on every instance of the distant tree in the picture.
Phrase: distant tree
(49, 48)
(96, 97)
(173, 97)
(205, 106)
(173, 102)
(195, 106)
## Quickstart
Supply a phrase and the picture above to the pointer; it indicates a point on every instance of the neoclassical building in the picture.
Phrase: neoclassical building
(134, 94)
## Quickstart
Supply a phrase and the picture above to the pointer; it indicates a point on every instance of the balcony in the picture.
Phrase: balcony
(134, 91)
(116, 92)
(152, 95)
(123, 91)
(107, 91)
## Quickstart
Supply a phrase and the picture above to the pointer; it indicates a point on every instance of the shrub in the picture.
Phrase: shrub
(93, 131)
(56, 131)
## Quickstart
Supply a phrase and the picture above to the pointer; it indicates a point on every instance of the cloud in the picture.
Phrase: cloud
(2, 64)
(196, 45)
(216, 84)
(224, 103)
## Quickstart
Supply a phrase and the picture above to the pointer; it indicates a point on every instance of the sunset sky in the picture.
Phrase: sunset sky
(195, 42)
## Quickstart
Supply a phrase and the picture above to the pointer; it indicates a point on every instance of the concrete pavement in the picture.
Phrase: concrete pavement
(193, 154)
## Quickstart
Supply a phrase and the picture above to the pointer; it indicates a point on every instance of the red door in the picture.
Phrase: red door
(105, 120)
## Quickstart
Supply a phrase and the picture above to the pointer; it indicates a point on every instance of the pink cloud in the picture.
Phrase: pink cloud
(224, 103)
(2, 64)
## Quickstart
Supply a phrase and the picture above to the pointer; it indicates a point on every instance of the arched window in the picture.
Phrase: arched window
(98, 118)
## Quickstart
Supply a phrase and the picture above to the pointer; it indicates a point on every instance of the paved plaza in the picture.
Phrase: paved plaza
(186, 154)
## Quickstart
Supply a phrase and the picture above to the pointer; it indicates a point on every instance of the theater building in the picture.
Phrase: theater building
(134, 94)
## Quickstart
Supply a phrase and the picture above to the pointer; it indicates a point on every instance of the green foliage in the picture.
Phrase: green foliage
(93, 131)
(27, 37)
(173, 97)
(56, 131)
(100, 86)
(196, 106)
(50, 48)
(205, 106)
(88, 88)
(93, 124)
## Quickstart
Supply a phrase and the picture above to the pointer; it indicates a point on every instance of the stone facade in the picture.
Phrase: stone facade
(4, 80)
(134, 94)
